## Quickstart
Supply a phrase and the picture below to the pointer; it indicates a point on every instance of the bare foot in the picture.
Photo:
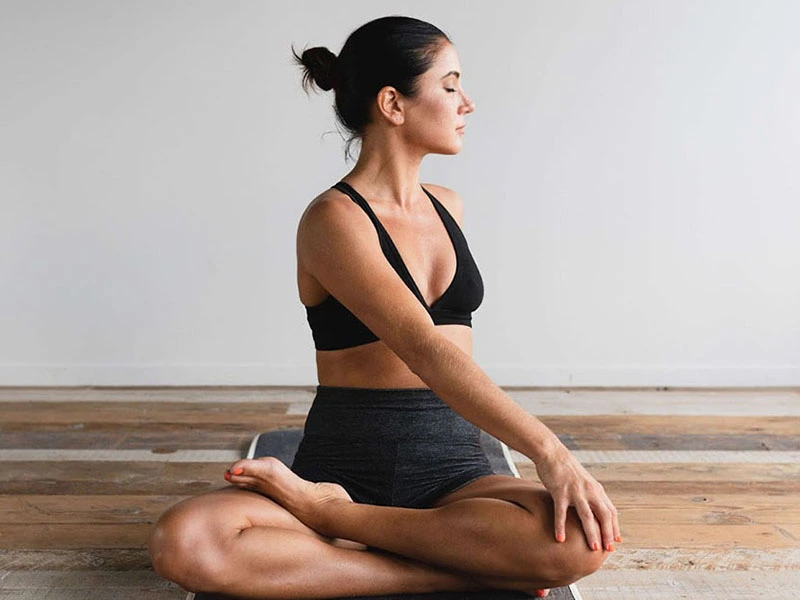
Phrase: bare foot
(269, 476)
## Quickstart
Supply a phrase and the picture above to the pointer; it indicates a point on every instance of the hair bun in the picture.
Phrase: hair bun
(320, 66)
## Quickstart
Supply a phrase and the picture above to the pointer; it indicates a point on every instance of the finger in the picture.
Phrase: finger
(560, 514)
(615, 521)
(606, 527)
(590, 527)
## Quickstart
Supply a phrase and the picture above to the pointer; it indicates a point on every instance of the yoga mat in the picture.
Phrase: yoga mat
(283, 444)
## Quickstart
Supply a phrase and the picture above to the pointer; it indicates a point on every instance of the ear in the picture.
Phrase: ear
(390, 105)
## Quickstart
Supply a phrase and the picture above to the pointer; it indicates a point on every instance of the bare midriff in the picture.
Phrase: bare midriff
(375, 365)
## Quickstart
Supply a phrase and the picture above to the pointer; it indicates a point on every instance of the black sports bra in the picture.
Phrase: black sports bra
(334, 327)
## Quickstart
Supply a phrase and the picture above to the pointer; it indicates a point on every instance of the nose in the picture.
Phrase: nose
(469, 105)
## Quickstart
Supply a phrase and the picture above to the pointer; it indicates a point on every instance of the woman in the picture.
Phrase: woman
(390, 492)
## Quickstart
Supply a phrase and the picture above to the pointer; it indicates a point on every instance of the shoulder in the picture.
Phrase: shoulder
(332, 222)
(449, 198)
(331, 209)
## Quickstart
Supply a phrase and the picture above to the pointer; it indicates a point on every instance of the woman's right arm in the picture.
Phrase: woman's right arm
(338, 245)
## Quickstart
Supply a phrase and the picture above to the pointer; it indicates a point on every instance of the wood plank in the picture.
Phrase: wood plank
(160, 437)
(697, 585)
(115, 478)
(687, 515)
(681, 442)
(684, 472)
(671, 424)
(32, 509)
(719, 558)
(116, 559)
(57, 536)
(56, 585)
(762, 402)
(139, 413)
(661, 534)
(787, 489)
(755, 499)
(155, 394)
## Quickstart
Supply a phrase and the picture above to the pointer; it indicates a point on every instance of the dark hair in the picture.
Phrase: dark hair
(391, 50)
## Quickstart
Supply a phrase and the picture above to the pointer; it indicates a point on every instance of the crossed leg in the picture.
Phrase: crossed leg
(240, 543)
(308, 540)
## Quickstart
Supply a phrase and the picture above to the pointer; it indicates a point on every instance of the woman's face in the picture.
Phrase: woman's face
(434, 119)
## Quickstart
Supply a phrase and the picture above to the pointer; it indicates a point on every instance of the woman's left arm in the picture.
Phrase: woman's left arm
(483, 403)
(487, 406)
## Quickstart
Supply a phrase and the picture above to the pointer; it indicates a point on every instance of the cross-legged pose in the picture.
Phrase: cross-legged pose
(390, 491)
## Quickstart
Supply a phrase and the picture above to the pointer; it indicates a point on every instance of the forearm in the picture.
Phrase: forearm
(455, 377)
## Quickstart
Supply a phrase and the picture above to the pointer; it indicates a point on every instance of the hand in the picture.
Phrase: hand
(570, 484)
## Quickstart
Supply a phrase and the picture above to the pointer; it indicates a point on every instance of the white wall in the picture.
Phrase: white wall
(629, 178)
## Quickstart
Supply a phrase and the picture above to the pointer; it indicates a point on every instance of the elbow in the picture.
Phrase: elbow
(426, 352)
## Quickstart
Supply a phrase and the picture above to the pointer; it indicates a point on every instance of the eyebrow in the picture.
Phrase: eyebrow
(456, 73)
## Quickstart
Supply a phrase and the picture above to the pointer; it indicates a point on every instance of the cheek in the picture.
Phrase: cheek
(442, 112)
(439, 107)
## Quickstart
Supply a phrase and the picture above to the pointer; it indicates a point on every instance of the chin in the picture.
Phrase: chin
(451, 149)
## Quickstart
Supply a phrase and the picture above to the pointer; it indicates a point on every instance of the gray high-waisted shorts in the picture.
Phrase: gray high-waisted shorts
(392, 447)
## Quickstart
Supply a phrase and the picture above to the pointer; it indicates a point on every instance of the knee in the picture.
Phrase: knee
(572, 559)
(568, 567)
(182, 549)
(554, 564)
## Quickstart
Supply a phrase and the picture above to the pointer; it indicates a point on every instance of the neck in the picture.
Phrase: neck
(387, 170)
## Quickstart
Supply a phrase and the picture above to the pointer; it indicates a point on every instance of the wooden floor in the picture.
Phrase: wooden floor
(707, 482)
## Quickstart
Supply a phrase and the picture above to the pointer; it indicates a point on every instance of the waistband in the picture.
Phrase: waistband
(348, 398)
(389, 413)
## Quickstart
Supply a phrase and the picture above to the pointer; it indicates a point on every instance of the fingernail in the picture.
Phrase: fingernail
(541, 593)
(560, 537)
(238, 471)
(610, 547)
(227, 475)
(595, 546)
(618, 539)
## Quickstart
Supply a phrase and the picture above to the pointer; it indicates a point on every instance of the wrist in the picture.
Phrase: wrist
(547, 447)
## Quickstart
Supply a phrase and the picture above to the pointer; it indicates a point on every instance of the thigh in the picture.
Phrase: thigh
(530, 495)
